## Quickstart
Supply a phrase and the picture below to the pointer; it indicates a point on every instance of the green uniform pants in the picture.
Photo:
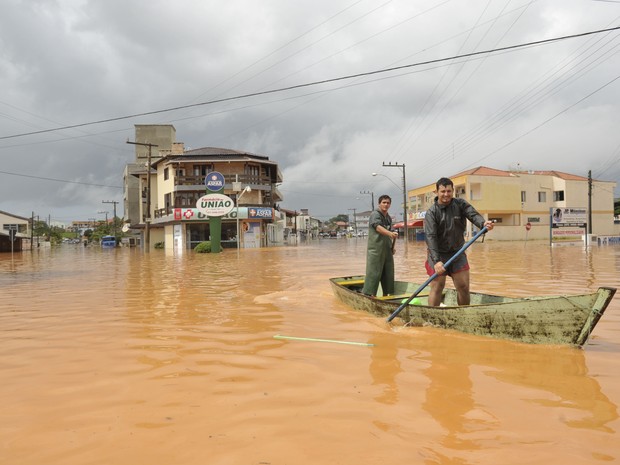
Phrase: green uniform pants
(379, 268)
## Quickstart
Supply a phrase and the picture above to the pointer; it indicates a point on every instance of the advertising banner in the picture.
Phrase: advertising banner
(568, 225)
(194, 214)
(569, 216)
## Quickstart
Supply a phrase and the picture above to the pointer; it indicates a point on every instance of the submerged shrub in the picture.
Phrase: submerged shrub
(203, 247)
(158, 245)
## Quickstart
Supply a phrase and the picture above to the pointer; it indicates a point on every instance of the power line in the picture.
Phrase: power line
(314, 83)
(59, 180)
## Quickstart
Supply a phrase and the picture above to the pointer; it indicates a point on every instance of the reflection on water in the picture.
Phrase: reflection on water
(114, 356)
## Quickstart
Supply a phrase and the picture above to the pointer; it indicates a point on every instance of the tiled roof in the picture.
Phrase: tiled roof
(559, 174)
(484, 171)
(215, 151)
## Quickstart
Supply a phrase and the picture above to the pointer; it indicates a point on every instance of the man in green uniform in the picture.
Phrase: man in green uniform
(379, 257)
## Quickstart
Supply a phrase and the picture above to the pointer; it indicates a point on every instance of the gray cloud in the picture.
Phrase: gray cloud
(66, 62)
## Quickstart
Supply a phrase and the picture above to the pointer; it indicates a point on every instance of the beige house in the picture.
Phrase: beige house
(177, 182)
(14, 231)
(521, 201)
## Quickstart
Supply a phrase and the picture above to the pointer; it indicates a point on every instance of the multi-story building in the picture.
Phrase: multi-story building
(151, 138)
(177, 182)
(521, 201)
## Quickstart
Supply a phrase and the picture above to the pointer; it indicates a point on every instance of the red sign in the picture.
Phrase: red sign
(528, 226)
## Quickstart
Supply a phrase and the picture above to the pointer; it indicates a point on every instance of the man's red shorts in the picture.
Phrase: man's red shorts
(459, 264)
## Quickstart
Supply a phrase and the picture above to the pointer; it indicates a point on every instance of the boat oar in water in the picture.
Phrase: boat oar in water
(445, 265)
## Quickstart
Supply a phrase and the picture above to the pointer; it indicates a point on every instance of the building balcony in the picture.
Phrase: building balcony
(191, 183)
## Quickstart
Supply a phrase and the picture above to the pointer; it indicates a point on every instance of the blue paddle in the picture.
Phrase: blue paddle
(445, 265)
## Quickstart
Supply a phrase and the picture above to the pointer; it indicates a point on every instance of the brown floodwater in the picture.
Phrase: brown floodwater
(114, 357)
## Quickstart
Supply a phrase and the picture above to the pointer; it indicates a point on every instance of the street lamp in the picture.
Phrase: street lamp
(404, 187)
(245, 189)
(388, 178)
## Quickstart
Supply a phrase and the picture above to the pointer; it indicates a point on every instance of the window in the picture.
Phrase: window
(166, 174)
(202, 170)
(252, 170)
(558, 196)
(542, 197)
(523, 196)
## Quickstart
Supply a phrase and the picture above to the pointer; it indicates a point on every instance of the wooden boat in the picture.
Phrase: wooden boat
(567, 319)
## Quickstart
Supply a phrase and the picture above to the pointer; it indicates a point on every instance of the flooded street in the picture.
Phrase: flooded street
(120, 357)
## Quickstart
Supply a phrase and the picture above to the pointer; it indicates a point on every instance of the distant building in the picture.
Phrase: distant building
(14, 231)
(514, 199)
(178, 182)
(307, 225)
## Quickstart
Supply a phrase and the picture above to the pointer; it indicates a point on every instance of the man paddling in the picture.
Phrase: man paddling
(444, 229)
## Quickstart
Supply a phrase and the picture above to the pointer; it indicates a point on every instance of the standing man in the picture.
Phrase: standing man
(379, 256)
(444, 228)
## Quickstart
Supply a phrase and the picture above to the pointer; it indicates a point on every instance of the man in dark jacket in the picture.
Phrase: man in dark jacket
(444, 228)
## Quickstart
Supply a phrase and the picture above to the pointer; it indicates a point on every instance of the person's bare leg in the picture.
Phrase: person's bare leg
(461, 284)
(437, 285)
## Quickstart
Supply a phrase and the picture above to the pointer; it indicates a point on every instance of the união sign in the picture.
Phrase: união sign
(215, 204)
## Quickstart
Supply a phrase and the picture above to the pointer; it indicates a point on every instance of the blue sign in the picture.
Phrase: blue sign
(260, 212)
(214, 181)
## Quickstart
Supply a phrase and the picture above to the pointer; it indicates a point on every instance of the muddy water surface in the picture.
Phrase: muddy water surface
(114, 357)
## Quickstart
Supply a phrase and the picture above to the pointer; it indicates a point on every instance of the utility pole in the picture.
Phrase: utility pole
(106, 216)
(589, 202)
(372, 198)
(114, 217)
(32, 232)
(147, 218)
(405, 219)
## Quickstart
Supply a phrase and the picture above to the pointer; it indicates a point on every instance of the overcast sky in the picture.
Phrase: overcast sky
(69, 62)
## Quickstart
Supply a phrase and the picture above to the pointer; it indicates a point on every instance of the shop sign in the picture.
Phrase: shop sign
(260, 212)
(215, 204)
(568, 216)
(194, 214)
(214, 181)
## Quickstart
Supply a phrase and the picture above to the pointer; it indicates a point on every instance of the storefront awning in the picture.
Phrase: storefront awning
(410, 224)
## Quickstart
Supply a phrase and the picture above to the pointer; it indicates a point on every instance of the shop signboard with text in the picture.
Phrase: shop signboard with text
(194, 214)
(568, 225)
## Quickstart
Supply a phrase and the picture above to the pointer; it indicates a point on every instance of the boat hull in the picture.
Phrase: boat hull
(567, 320)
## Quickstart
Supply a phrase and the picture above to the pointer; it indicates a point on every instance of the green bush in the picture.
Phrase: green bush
(203, 247)
(158, 245)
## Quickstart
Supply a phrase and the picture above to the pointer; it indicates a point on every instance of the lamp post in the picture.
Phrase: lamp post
(404, 188)
(372, 197)
(245, 189)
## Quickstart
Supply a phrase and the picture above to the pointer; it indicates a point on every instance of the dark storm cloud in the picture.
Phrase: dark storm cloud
(70, 62)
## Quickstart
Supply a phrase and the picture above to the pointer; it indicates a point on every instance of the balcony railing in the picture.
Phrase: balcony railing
(245, 179)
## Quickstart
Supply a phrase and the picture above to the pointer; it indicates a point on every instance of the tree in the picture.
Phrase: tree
(340, 217)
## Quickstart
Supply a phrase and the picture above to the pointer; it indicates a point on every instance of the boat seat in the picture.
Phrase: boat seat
(352, 282)
(399, 296)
